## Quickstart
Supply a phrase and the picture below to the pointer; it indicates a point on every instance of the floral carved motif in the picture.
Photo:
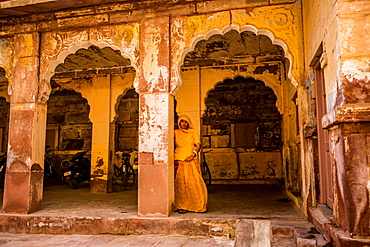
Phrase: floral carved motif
(281, 22)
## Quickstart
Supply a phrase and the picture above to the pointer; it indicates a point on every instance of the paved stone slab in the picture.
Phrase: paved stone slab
(47, 240)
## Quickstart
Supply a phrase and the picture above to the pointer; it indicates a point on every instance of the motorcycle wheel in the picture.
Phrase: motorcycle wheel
(74, 183)
(130, 176)
(121, 178)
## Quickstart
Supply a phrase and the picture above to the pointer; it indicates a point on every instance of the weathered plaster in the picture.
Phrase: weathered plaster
(155, 54)
(56, 46)
(6, 58)
(154, 129)
(356, 77)
(280, 24)
(342, 27)
(321, 26)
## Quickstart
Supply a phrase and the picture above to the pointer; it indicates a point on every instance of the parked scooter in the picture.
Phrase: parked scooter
(76, 170)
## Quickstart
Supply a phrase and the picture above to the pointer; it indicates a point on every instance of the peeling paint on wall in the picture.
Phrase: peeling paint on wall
(154, 125)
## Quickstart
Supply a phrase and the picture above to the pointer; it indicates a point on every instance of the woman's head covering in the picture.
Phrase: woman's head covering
(187, 119)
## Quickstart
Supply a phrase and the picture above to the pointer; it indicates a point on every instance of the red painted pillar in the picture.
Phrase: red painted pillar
(26, 141)
(156, 192)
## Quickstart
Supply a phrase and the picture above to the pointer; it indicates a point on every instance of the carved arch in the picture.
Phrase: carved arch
(249, 28)
(269, 82)
(50, 71)
(118, 99)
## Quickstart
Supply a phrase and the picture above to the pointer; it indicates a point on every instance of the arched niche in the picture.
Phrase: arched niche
(68, 123)
(247, 103)
(126, 121)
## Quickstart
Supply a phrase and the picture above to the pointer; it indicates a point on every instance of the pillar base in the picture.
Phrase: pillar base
(155, 193)
(18, 188)
(99, 186)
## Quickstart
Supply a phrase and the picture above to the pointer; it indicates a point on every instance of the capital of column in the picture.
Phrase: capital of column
(155, 55)
(26, 86)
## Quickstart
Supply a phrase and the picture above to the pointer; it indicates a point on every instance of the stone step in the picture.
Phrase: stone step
(242, 232)
(283, 243)
(46, 240)
(261, 233)
(116, 226)
(307, 237)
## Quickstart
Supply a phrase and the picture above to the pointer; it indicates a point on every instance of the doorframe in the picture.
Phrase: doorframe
(325, 168)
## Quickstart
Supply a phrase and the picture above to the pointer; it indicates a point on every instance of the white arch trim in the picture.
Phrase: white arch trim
(85, 45)
(250, 28)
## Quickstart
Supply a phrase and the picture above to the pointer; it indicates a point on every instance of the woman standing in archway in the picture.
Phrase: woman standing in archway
(190, 189)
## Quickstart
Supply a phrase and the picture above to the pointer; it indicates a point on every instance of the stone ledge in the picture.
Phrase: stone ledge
(116, 226)
(350, 113)
(323, 220)
(16, 4)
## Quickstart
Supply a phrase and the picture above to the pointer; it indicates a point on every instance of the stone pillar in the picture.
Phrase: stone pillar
(349, 123)
(23, 189)
(350, 148)
(156, 129)
(100, 116)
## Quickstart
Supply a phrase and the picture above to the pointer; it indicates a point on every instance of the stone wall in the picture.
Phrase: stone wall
(336, 35)
(242, 125)
(68, 115)
(127, 122)
(235, 166)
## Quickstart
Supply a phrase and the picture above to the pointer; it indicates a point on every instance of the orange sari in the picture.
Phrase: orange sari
(190, 189)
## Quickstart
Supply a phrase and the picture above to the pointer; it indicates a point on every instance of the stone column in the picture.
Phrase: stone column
(350, 158)
(100, 116)
(156, 180)
(349, 123)
(23, 189)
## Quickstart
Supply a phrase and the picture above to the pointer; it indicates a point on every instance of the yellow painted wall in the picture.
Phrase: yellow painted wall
(196, 83)
(320, 26)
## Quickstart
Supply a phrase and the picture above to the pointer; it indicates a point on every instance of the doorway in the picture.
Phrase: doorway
(325, 170)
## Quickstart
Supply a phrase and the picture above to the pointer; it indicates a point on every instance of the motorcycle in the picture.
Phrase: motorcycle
(76, 170)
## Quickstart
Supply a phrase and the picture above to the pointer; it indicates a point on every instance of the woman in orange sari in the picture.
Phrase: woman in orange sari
(190, 189)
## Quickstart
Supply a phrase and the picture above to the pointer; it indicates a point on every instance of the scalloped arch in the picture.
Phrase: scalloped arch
(118, 101)
(245, 28)
(72, 90)
(85, 45)
(266, 81)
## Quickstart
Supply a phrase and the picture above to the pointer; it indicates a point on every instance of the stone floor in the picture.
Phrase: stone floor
(225, 201)
(77, 218)
(44, 240)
